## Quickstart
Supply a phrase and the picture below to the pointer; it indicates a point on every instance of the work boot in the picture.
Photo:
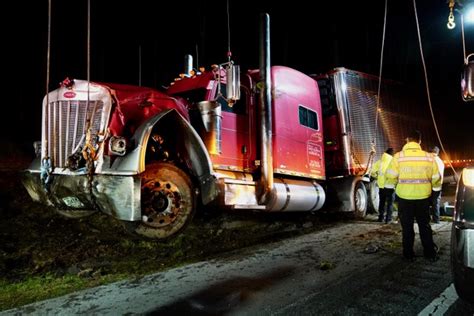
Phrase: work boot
(435, 257)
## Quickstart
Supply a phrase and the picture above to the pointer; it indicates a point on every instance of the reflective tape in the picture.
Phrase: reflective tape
(405, 159)
(413, 181)
(392, 172)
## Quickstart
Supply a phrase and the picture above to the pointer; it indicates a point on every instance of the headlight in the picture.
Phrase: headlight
(464, 208)
(117, 145)
(468, 177)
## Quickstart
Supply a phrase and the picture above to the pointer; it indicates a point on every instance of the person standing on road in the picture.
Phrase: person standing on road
(436, 193)
(413, 173)
(386, 196)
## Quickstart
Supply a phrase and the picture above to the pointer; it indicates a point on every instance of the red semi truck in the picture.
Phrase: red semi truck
(273, 139)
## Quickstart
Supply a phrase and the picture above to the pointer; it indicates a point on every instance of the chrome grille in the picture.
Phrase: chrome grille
(66, 124)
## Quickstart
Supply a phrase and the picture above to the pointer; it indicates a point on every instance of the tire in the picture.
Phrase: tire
(360, 200)
(167, 202)
(373, 197)
(463, 277)
(75, 214)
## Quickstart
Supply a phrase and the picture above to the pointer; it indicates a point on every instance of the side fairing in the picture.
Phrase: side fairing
(399, 110)
(298, 147)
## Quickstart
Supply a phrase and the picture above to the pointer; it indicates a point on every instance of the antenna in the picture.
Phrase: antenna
(229, 52)
(140, 65)
(197, 57)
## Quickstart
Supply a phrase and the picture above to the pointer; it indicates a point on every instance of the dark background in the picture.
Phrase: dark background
(312, 37)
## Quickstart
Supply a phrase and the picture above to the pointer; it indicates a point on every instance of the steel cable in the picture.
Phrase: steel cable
(425, 72)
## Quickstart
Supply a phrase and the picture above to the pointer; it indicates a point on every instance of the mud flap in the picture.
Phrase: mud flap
(343, 194)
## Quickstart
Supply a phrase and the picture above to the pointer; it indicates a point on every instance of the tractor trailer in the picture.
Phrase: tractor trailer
(272, 140)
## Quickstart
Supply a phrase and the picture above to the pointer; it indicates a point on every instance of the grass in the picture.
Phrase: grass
(48, 286)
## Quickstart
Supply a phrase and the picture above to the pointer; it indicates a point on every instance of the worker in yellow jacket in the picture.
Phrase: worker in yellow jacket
(386, 195)
(414, 174)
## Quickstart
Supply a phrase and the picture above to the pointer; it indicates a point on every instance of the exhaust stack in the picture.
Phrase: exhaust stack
(188, 65)
(265, 185)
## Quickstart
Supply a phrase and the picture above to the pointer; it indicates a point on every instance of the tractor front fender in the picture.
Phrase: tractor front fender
(188, 144)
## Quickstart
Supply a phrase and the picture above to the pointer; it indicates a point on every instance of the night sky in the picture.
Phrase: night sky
(313, 37)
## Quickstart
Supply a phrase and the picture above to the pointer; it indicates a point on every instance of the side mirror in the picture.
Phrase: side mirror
(232, 83)
(467, 80)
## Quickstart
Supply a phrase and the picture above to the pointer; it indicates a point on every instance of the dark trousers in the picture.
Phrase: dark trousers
(435, 204)
(410, 210)
(386, 198)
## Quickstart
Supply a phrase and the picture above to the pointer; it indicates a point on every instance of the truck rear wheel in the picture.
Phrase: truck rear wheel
(167, 201)
(360, 200)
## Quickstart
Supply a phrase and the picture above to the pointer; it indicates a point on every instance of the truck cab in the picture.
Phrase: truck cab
(296, 114)
(146, 157)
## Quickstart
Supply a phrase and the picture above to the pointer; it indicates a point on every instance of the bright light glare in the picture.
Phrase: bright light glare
(468, 177)
(469, 15)
(343, 86)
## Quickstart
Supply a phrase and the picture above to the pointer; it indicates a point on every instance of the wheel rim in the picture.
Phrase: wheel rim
(167, 201)
(162, 202)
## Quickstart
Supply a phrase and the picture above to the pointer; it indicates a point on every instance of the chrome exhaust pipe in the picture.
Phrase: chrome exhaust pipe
(188, 65)
(265, 185)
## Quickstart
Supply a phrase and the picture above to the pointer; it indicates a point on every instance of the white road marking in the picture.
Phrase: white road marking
(441, 304)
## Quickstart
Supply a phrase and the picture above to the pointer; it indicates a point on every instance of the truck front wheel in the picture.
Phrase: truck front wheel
(167, 201)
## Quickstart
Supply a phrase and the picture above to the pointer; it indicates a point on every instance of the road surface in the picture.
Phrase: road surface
(351, 269)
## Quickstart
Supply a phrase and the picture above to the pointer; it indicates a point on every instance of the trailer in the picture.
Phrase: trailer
(354, 137)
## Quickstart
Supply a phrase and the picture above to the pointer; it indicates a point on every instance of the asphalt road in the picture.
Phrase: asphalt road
(351, 269)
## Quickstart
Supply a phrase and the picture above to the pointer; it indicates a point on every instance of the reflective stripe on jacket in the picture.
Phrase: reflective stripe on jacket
(379, 169)
(413, 173)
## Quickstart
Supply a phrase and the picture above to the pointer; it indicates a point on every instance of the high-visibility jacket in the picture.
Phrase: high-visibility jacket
(413, 173)
(379, 168)
(440, 164)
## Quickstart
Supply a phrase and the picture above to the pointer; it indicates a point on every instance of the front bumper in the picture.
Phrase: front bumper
(116, 195)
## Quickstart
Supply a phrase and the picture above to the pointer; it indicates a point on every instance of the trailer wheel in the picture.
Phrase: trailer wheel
(373, 196)
(167, 201)
(360, 200)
